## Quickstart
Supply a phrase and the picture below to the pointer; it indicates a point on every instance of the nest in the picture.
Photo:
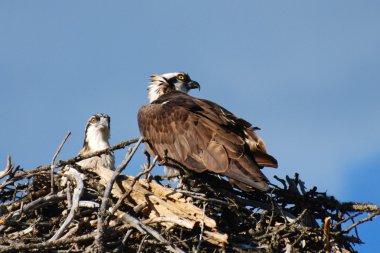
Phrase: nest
(99, 210)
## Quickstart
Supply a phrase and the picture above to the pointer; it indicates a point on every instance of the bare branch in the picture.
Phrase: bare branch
(202, 229)
(146, 229)
(8, 169)
(78, 191)
(53, 161)
(79, 158)
(370, 217)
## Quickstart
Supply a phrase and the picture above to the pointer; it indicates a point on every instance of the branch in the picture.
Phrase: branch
(79, 158)
(39, 203)
(53, 161)
(370, 217)
(7, 169)
(78, 191)
(365, 207)
(146, 229)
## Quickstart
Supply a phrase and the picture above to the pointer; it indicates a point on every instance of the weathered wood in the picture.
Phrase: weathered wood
(161, 203)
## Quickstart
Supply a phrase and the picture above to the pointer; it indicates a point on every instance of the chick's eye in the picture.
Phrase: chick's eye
(94, 120)
(181, 77)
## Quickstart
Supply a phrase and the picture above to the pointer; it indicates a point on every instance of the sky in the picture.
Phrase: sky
(305, 72)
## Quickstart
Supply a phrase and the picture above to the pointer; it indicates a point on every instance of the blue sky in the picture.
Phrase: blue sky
(306, 72)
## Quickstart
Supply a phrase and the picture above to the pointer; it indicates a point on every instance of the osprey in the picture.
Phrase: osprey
(200, 134)
(97, 136)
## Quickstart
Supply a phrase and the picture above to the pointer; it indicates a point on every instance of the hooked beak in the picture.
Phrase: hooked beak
(193, 85)
(104, 123)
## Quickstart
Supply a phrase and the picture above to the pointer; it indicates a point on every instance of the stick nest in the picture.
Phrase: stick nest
(99, 210)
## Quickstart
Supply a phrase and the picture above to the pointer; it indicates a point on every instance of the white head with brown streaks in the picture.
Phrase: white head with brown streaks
(161, 84)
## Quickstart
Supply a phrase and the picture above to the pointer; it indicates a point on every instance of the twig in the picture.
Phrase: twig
(298, 239)
(200, 196)
(22, 232)
(142, 243)
(107, 192)
(365, 207)
(163, 219)
(7, 169)
(78, 191)
(71, 232)
(370, 217)
(202, 228)
(346, 219)
(272, 215)
(326, 233)
(88, 204)
(129, 232)
(53, 161)
(130, 220)
(282, 181)
(79, 158)
(146, 229)
(39, 203)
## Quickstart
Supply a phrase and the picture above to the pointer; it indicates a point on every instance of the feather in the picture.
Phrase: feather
(215, 157)
(265, 160)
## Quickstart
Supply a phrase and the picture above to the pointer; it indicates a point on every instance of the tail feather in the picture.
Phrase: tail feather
(265, 160)
(246, 175)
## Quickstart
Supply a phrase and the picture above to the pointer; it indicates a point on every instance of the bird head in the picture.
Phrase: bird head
(97, 132)
(161, 84)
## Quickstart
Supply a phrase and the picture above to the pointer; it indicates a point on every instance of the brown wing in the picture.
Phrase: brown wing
(187, 130)
(255, 143)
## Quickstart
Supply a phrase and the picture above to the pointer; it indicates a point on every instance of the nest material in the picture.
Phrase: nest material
(101, 211)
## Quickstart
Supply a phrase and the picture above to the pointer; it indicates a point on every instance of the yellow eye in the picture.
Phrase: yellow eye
(181, 77)
(94, 120)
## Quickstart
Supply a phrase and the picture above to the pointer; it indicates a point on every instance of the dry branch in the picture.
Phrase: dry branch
(52, 166)
(78, 191)
(8, 168)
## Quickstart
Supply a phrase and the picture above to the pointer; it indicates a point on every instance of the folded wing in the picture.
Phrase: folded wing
(204, 137)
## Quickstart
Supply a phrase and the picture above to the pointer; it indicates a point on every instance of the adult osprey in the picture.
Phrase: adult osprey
(97, 136)
(200, 134)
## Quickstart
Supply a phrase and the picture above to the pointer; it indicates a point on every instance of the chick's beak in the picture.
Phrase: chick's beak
(104, 123)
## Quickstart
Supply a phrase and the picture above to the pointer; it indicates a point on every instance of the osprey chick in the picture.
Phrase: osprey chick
(97, 136)
(201, 134)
